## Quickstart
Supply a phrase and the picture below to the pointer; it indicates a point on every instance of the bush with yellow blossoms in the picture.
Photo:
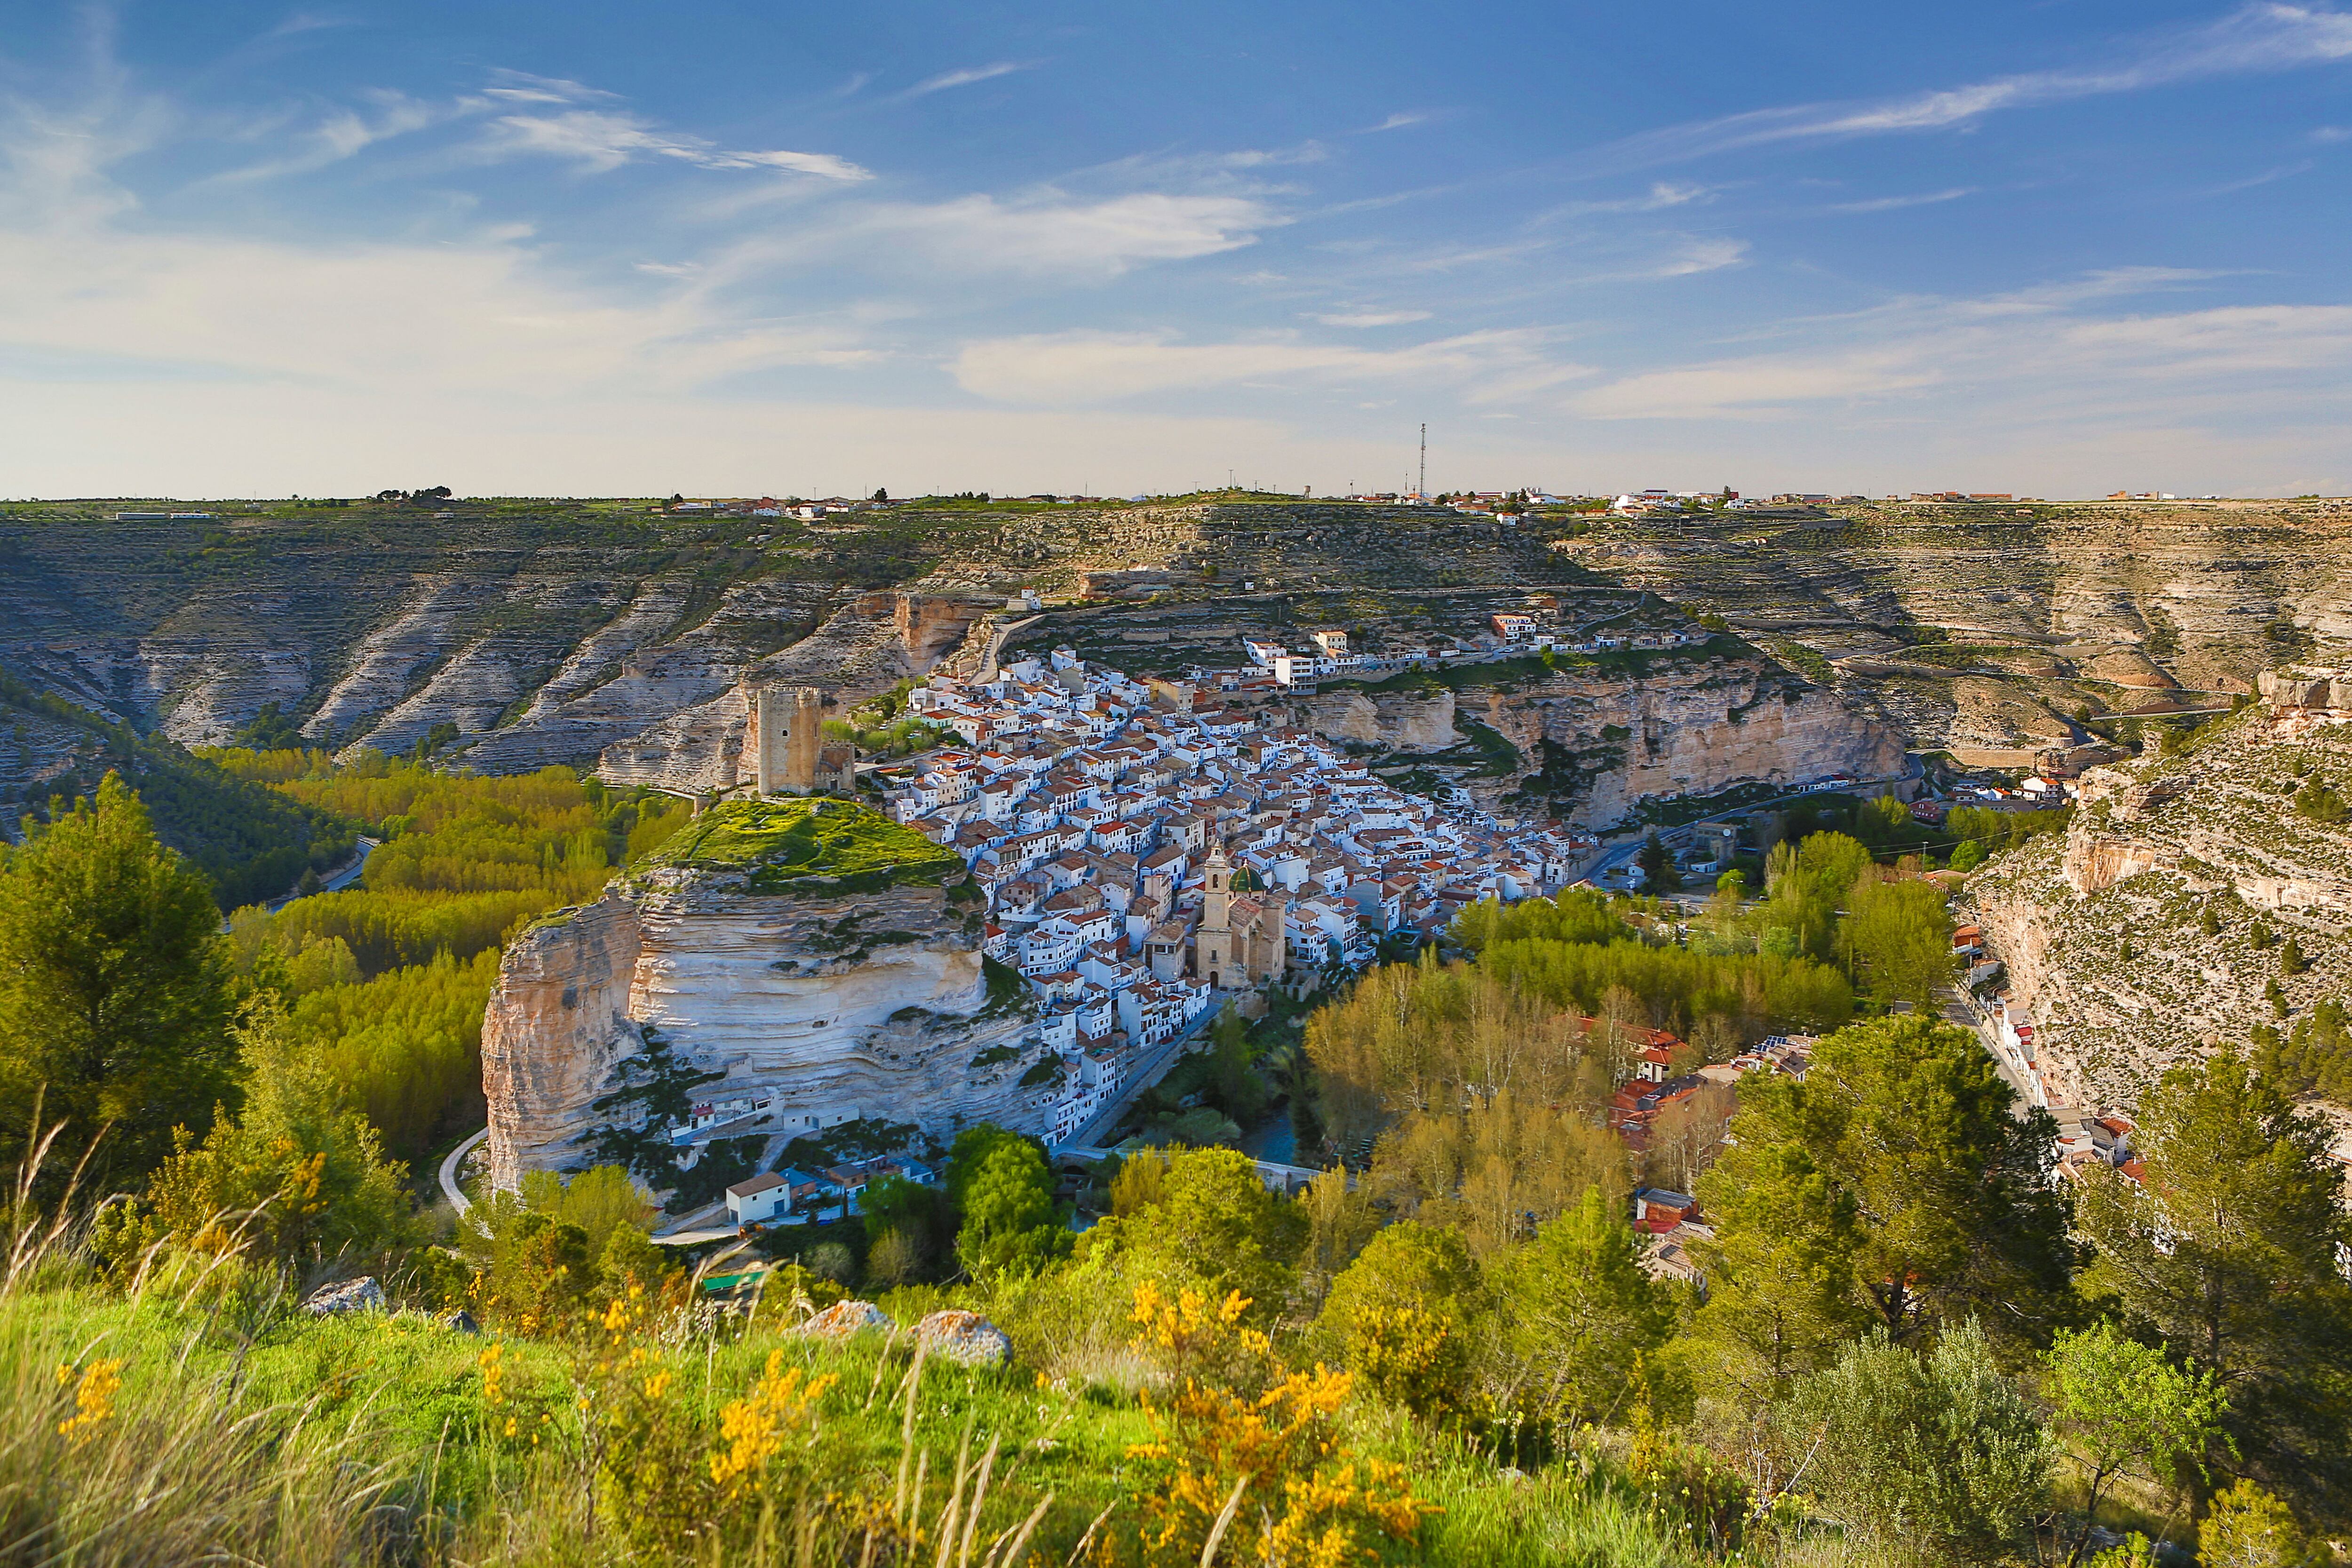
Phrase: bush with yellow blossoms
(1247, 1448)
(665, 1480)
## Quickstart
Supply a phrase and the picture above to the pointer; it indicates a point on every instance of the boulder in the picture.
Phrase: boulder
(360, 1295)
(843, 1318)
(965, 1337)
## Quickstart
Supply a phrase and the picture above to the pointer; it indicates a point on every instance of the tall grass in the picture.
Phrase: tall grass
(186, 1412)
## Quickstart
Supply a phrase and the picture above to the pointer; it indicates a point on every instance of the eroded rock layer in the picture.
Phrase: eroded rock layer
(818, 1008)
(2152, 930)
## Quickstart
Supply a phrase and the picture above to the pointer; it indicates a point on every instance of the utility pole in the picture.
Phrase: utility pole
(1422, 490)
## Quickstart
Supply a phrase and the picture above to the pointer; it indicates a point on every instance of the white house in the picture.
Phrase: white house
(758, 1200)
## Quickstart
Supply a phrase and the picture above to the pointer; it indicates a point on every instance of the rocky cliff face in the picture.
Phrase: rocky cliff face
(1683, 728)
(1399, 721)
(1591, 742)
(1976, 627)
(2103, 930)
(831, 1001)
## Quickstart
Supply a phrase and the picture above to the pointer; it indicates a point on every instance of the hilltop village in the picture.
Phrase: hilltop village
(1151, 849)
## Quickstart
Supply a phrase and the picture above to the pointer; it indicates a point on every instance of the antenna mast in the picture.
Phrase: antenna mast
(1422, 490)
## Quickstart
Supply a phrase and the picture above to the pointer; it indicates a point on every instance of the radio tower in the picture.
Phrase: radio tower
(1421, 489)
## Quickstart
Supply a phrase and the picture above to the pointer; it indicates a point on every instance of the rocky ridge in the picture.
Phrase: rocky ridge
(1981, 628)
(2101, 931)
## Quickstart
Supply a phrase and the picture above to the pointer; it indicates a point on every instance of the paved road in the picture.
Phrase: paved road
(1144, 1077)
(449, 1188)
(987, 667)
(351, 873)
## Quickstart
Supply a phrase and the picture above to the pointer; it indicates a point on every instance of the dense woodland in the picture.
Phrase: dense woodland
(252, 844)
(1912, 1343)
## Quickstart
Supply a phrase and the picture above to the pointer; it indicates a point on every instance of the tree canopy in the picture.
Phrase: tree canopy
(115, 985)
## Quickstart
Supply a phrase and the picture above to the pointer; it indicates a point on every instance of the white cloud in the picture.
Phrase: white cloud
(2254, 38)
(1665, 193)
(1047, 234)
(1731, 386)
(347, 132)
(2038, 344)
(1083, 367)
(1895, 203)
(604, 140)
(2328, 135)
(524, 87)
(967, 75)
(824, 165)
(1400, 122)
(1370, 318)
(1699, 256)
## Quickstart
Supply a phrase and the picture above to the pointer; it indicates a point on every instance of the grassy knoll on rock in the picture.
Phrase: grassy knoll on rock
(789, 846)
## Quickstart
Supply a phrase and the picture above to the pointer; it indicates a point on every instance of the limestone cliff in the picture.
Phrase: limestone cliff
(1399, 721)
(831, 975)
(2103, 930)
(1976, 626)
(1595, 739)
(1682, 727)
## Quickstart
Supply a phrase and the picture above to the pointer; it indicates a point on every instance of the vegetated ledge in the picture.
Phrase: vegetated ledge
(813, 846)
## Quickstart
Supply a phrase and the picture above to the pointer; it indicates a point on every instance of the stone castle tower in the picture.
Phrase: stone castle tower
(789, 735)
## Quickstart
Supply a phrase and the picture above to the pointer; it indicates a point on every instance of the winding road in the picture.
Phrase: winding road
(449, 1163)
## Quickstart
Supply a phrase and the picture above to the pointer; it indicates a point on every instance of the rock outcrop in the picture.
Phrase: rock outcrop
(2105, 930)
(1682, 727)
(1399, 721)
(829, 981)
(964, 1337)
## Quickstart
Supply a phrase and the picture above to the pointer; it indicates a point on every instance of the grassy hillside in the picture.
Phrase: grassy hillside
(295, 1440)
(253, 844)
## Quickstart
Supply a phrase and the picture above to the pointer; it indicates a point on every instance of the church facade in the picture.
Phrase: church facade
(1240, 943)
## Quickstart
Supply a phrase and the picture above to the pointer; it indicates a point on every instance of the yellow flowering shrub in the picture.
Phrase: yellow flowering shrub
(1410, 1356)
(666, 1480)
(94, 1387)
(1241, 1431)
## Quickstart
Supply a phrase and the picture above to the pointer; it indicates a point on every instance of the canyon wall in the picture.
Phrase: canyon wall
(1684, 728)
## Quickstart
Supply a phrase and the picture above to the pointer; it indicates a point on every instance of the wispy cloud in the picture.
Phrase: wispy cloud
(1660, 196)
(601, 140)
(1081, 367)
(2268, 176)
(2254, 38)
(967, 75)
(1400, 122)
(1045, 234)
(525, 87)
(1698, 256)
(1896, 204)
(345, 133)
(2044, 338)
(1370, 318)
(2328, 135)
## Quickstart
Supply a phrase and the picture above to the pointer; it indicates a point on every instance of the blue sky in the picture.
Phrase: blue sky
(2056, 248)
